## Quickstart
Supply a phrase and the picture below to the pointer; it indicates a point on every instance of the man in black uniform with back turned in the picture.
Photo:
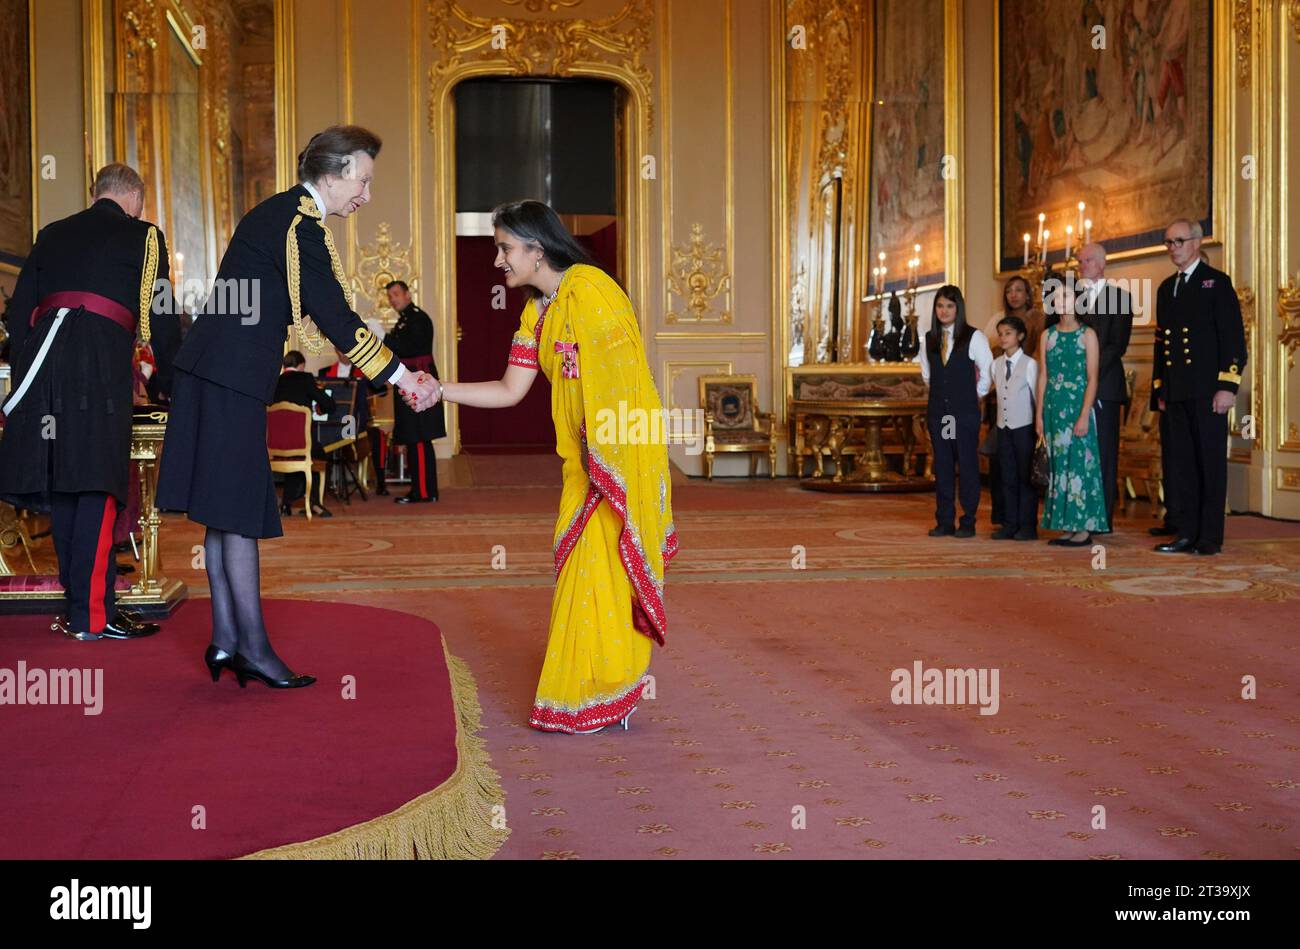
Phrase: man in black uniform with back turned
(1200, 353)
(67, 440)
(411, 340)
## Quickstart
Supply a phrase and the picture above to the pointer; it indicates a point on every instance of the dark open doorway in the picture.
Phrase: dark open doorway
(549, 139)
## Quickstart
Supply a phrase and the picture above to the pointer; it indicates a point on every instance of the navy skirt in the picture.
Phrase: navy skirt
(214, 463)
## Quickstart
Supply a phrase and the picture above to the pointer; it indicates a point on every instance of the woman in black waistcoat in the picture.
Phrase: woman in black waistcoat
(281, 265)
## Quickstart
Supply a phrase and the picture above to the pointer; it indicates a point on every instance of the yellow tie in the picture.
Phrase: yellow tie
(947, 344)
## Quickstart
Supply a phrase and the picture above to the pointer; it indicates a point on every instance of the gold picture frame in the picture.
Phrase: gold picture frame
(1219, 148)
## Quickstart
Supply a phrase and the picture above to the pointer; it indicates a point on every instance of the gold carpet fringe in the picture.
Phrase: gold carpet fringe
(454, 821)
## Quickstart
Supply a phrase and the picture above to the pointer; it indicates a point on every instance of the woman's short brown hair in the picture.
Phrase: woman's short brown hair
(328, 152)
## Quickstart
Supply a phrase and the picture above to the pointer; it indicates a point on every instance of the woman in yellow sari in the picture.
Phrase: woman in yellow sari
(615, 533)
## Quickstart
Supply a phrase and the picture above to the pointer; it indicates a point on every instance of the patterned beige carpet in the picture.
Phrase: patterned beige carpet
(773, 733)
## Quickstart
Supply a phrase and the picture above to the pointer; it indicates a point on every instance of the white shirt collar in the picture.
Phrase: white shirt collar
(1015, 356)
(1094, 289)
(1192, 266)
(316, 196)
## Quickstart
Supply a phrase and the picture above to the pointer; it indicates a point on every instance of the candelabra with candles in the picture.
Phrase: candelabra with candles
(1036, 266)
(895, 340)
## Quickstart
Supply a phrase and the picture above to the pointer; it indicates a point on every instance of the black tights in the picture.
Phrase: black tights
(234, 577)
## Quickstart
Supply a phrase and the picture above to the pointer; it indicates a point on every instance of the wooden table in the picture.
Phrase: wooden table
(833, 423)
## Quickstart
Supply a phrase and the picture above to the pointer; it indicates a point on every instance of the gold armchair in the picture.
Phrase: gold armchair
(732, 422)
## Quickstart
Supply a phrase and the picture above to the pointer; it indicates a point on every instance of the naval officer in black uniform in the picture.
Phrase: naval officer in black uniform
(86, 287)
(1200, 354)
(281, 266)
(411, 340)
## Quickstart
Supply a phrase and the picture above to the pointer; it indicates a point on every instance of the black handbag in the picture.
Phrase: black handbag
(1040, 469)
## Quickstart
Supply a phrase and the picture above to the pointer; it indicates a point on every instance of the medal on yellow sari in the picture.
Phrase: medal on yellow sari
(615, 533)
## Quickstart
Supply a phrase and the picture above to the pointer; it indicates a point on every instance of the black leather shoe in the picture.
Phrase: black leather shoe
(1077, 543)
(123, 627)
(1002, 534)
(1179, 545)
(1162, 531)
(942, 531)
(217, 659)
(408, 499)
(1208, 550)
(245, 670)
(286, 510)
(323, 512)
(964, 532)
(1026, 535)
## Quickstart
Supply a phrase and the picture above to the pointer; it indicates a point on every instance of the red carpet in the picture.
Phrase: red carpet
(267, 767)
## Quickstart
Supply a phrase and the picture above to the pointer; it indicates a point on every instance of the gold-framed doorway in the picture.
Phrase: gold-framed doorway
(610, 49)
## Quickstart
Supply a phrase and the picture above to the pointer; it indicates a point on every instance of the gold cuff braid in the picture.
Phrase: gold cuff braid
(369, 354)
(148, 274)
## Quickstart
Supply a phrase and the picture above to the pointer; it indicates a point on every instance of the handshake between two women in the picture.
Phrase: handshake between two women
(420, 390)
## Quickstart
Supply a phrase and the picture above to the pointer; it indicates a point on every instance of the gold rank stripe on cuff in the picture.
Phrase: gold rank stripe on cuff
(369, 354)
(1233, 377)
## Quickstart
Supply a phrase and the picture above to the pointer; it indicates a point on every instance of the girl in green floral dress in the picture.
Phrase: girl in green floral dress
(1067, 387)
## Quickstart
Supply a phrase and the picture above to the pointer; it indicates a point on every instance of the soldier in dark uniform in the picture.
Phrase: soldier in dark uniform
(411, 339)
(1200, 353)
(281, 265)
(83, 292)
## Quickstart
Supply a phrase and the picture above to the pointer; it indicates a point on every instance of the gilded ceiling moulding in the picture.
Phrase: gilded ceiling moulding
(546, 46)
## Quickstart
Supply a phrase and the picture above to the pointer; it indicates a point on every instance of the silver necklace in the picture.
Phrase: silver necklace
(549, 299)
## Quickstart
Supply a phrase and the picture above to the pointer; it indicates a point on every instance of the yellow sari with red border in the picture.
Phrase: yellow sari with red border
(615, 534)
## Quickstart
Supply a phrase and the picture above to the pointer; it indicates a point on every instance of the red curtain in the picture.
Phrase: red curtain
(485, 346)
(482, 353)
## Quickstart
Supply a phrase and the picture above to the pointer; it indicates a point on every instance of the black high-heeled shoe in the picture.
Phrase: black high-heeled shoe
(245, 670)
(217, 659)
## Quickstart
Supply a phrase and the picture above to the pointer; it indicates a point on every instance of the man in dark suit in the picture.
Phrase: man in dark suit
(296, 385)
(411, 340)
(1108, 309)
(1200, 354)
(87, 285)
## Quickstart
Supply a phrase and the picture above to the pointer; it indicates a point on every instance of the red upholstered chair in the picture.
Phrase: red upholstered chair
(288, 443)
